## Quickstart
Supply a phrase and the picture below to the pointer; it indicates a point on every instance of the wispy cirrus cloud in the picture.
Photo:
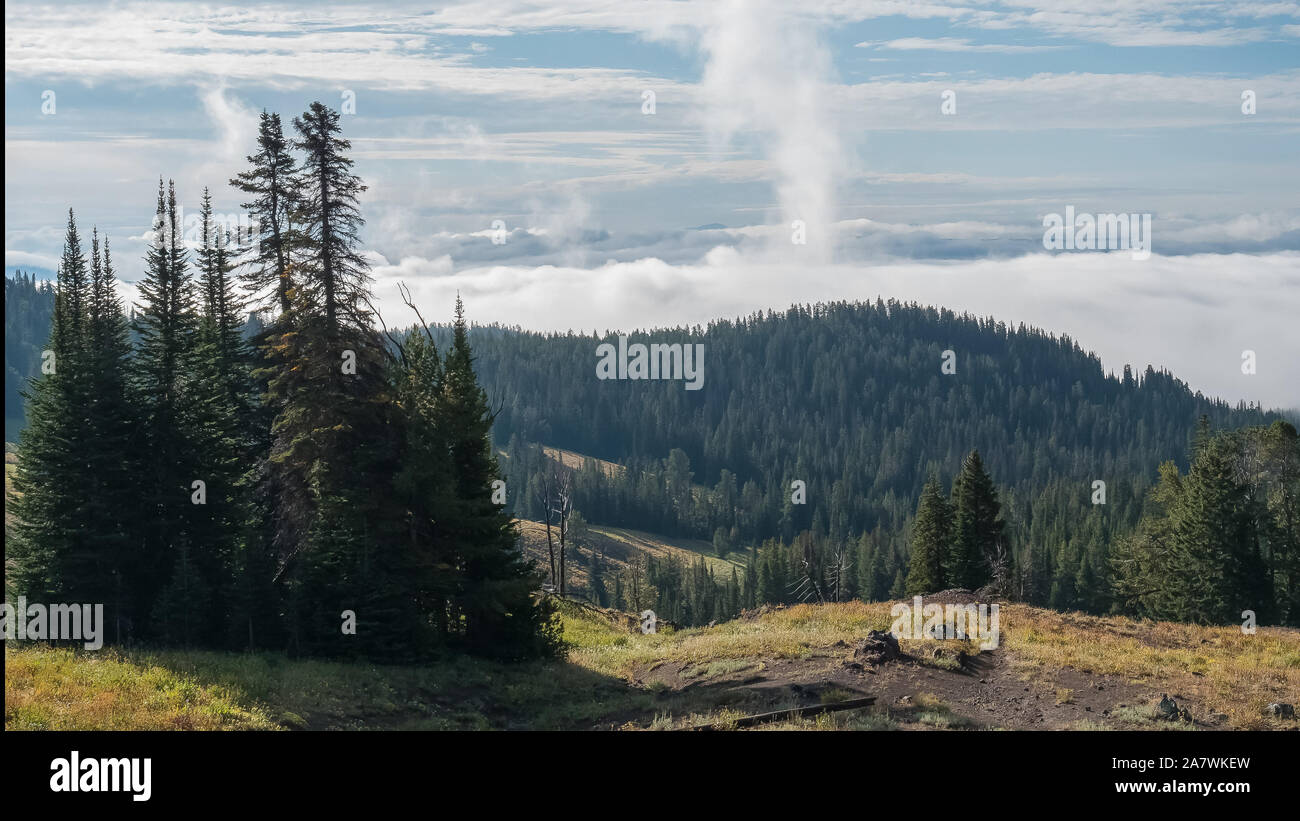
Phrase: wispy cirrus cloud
(952, 44)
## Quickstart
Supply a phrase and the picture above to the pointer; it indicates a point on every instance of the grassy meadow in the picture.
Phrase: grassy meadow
(615, 679)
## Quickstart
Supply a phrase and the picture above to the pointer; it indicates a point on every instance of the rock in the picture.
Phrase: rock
(877, 648)
(1167, 709)
(1280, 710)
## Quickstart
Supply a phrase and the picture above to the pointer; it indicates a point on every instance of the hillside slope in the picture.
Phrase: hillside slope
(1052, 671)
(618, 548)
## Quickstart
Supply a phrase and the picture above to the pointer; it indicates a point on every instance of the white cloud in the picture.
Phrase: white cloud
(1193, 315)
(25, 259)
(952, 44)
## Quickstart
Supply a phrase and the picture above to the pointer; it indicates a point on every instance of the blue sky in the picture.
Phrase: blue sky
(532, 114)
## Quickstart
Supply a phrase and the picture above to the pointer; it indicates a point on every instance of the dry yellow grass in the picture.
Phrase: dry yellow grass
(1217, 668)
(620, 546)
(1220, 667)
(61, 689)
(575, 461)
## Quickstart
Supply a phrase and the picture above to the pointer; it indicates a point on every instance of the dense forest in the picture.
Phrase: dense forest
(323, 489)
(1062, 540)
(853, 401)
(29, 305)
(837, 451)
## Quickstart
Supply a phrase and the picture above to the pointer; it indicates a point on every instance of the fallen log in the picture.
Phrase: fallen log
(782, 715)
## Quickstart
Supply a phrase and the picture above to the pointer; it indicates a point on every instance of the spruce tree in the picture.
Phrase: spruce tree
(424, 485)
(977, 528)
(220, 416)
(270, 182)
(1217, 568)
(334, 277)
(931, 540)
(167, 324)
(280, 502)
(496, 596)
(335, 434)
(55, 556)
(112, 453)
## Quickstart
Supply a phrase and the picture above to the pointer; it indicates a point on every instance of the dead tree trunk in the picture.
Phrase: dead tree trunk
(563, 507)
(546, 500)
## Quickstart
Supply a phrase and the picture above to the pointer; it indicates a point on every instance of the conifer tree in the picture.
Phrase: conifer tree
(496, 595)
(1212, 544)
(270, 182)
(335, 433)
(112, 456)
(55, 555)
(167, 324)
(898, 589)
(931, 540)
(218, 419)
(424, 484)
(1218, 570)
(1279, 454)
(334, 277)
(978, 527)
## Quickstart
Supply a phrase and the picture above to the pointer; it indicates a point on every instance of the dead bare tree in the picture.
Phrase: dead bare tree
(562, 482)
(837, 572)
(544, 496)
(556, 496)
(805, 587)
(1001, 567)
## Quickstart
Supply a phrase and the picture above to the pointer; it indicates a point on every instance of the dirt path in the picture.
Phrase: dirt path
(987, 692)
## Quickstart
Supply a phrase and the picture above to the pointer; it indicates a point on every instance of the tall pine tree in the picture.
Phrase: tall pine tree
(977, 529)
(57, 557)
(270, 182)
(495, 599)
(931, 540)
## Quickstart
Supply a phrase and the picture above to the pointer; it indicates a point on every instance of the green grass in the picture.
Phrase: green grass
(58, 688)
(614, 678)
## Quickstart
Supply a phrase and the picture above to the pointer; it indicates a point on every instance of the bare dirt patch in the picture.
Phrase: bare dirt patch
(986, 692)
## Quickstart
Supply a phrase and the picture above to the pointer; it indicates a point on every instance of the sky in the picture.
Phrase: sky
(618, 165)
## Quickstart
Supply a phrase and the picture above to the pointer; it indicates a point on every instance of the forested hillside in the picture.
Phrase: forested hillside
(853, 393)
(853, 400)
(29, 304)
